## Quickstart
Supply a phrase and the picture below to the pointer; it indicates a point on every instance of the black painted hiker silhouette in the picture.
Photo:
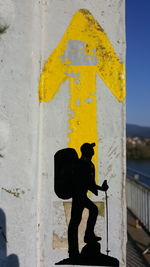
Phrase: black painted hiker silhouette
(73, 178)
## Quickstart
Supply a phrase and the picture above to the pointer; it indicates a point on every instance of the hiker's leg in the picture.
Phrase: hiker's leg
(76, 215)
(93, 213)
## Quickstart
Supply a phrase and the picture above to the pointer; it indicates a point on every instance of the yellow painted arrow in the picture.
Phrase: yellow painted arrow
(83, 51)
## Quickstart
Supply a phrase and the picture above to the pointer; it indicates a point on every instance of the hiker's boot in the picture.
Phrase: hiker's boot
(74, 257)
(91, 238)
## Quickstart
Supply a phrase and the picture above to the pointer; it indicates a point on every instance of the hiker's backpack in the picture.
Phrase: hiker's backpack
(65, 163)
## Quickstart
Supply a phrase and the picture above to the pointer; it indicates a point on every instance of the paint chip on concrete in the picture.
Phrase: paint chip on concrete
(78, 102)
(75, 54)
(72, 74)
(89, 100)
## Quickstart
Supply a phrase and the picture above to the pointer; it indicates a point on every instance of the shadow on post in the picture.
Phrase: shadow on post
(5, 261)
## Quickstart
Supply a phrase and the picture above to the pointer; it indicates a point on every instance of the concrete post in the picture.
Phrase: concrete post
(62, 84)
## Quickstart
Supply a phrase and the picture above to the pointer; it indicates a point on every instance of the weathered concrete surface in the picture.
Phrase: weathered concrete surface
(19, 116)
(31, 132)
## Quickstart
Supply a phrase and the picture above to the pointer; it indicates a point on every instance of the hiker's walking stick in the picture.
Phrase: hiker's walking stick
(107, 250)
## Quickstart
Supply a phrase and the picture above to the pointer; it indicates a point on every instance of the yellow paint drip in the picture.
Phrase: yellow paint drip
(82, 122)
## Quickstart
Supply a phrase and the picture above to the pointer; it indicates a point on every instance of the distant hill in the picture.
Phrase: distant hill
(137, 131)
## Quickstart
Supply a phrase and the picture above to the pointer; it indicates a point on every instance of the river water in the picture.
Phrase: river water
(143, 167)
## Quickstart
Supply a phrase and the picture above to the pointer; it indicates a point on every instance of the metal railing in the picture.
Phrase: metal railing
(140, 176)
(138, 199)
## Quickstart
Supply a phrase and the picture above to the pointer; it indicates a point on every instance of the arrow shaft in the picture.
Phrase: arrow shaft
(83, 112)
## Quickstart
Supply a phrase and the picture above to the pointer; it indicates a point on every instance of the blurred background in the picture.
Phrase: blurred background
(138, 132)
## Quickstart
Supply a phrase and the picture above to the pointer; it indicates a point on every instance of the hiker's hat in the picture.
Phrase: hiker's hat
(86, 147)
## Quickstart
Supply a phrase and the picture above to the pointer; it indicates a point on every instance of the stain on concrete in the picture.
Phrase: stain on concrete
(101, 208)
(15, 192)
(109, 168)
(59, 242)
(3, 29)
(45, 174)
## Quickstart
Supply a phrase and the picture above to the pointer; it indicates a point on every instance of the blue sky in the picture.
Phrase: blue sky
(138, 61)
